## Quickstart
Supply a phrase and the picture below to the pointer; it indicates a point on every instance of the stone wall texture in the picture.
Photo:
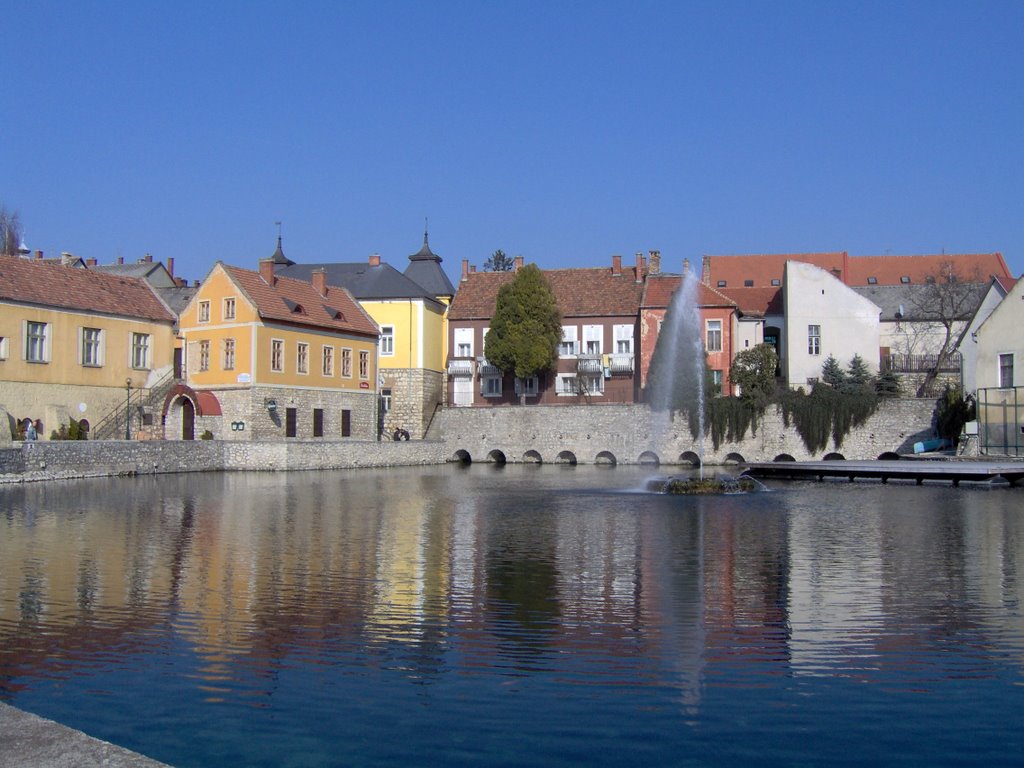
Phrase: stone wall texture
(630, 434)
(626, 434)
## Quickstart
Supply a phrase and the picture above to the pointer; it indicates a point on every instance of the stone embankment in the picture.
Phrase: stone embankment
(626, 434)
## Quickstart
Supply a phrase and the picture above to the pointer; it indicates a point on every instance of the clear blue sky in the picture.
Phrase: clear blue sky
(562, 131)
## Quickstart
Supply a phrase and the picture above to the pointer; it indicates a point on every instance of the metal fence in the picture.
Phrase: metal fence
(898, 363)
(1001, 421)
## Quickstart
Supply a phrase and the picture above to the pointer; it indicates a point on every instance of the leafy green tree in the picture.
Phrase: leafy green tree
(10, 232)
(753, 370)
(526, 327)
(499, 262)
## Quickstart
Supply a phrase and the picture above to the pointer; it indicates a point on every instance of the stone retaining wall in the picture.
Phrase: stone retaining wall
(626, 434)
(629, 434)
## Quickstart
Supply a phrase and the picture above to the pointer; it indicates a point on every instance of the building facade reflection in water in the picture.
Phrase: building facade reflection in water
(510, 572)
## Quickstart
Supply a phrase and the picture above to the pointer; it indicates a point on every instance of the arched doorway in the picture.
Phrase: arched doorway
(188, 419)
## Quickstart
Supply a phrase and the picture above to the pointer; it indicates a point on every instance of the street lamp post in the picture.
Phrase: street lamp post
(128, 411)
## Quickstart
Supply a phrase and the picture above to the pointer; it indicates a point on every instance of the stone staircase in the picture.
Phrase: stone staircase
(144, 407)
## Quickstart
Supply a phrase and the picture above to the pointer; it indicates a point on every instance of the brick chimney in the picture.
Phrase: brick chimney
(147, 259)
(655, 261)
(465, 270)
(120, 259)
(39, 255)
(641, 267)
(705, 270)
(91, 262)
(616, 265)
(686, 266)
(518, 263)
(319, 279)
(374, 259)
(267, 271)
(170, 266)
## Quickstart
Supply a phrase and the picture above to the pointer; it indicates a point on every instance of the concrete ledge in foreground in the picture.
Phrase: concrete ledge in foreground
(30, 741)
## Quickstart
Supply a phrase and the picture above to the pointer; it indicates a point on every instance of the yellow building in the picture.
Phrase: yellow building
(75, 344)
(268, 356)
(411, 309)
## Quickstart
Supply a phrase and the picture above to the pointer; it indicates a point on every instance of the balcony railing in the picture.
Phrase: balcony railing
(460, 367)
(620, 363)
(898, 363)
(589, 364)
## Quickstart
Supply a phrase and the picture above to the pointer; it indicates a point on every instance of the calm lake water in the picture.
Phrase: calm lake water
(516, 616)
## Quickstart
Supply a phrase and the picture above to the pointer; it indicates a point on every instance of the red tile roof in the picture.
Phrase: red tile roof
(756, 301)
(889, 270)
(337, 310)
(762, 268)
(53, 285)
(659, 289)
(584, 292)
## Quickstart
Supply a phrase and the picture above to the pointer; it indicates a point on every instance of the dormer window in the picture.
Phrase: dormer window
(776, 281)
(905, 279)
(748, 283)
(872, 281)
(721, 283)
(295, 307)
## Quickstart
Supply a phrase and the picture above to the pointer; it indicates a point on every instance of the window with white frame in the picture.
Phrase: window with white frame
(567, 384)
(204, 311)
(229, 308)
(327, 360)
(714, 336)
(346, 362)
(277, 355)
(583, 384)
(387, 339)
(567, 347)
(593, 383)
(228, 355)
(716, 380)
(463, 342)
(364, 364)
(385, 400)
(140, 350)
(624, 339)
(3, 347)
(813, 339)
(593, 339)
(91, 347)
(37, 342)
(1006, 370)
(204, 355)
(302, 357)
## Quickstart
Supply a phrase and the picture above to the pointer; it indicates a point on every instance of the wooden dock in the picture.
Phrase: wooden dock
(955, 472)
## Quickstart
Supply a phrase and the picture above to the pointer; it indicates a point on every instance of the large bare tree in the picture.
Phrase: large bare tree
(944, 305)
(10, 232)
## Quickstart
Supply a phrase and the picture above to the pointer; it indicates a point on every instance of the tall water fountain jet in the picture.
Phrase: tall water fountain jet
(677, 369)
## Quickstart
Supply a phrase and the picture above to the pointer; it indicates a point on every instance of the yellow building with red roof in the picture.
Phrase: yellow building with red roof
(75, 342)
(270, 357)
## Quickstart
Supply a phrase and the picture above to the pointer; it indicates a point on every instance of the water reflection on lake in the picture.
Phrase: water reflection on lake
(494, 616)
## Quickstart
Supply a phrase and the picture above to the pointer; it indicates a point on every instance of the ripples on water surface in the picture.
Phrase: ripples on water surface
(516, 616)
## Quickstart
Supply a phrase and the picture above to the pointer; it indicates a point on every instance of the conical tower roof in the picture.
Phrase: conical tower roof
(279, 257)
(425, 269)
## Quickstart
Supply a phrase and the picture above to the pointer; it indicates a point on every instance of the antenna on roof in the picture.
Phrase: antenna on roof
(278, 223)
(426, 228)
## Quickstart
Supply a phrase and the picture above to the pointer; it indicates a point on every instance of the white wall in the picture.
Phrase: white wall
(848, 321)
(1001, 334)
(969, 345)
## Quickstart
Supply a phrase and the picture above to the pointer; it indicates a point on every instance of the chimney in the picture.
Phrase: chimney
(641, 266)
(170, 266)
(465, 270)
(472, 269)
(39, 255)
(195, 283)
(147, 259)
(616, 265)
(180, 282)
(374, 259)
(518, 263)
(686, 266)
(655, 261)
(120, 259)
(319, 280)
(90, 262)
(267, 271)
(705, 271)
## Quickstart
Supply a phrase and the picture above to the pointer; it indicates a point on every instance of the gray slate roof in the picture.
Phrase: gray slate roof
(914, 300)
(363, 281)
(425, 269)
